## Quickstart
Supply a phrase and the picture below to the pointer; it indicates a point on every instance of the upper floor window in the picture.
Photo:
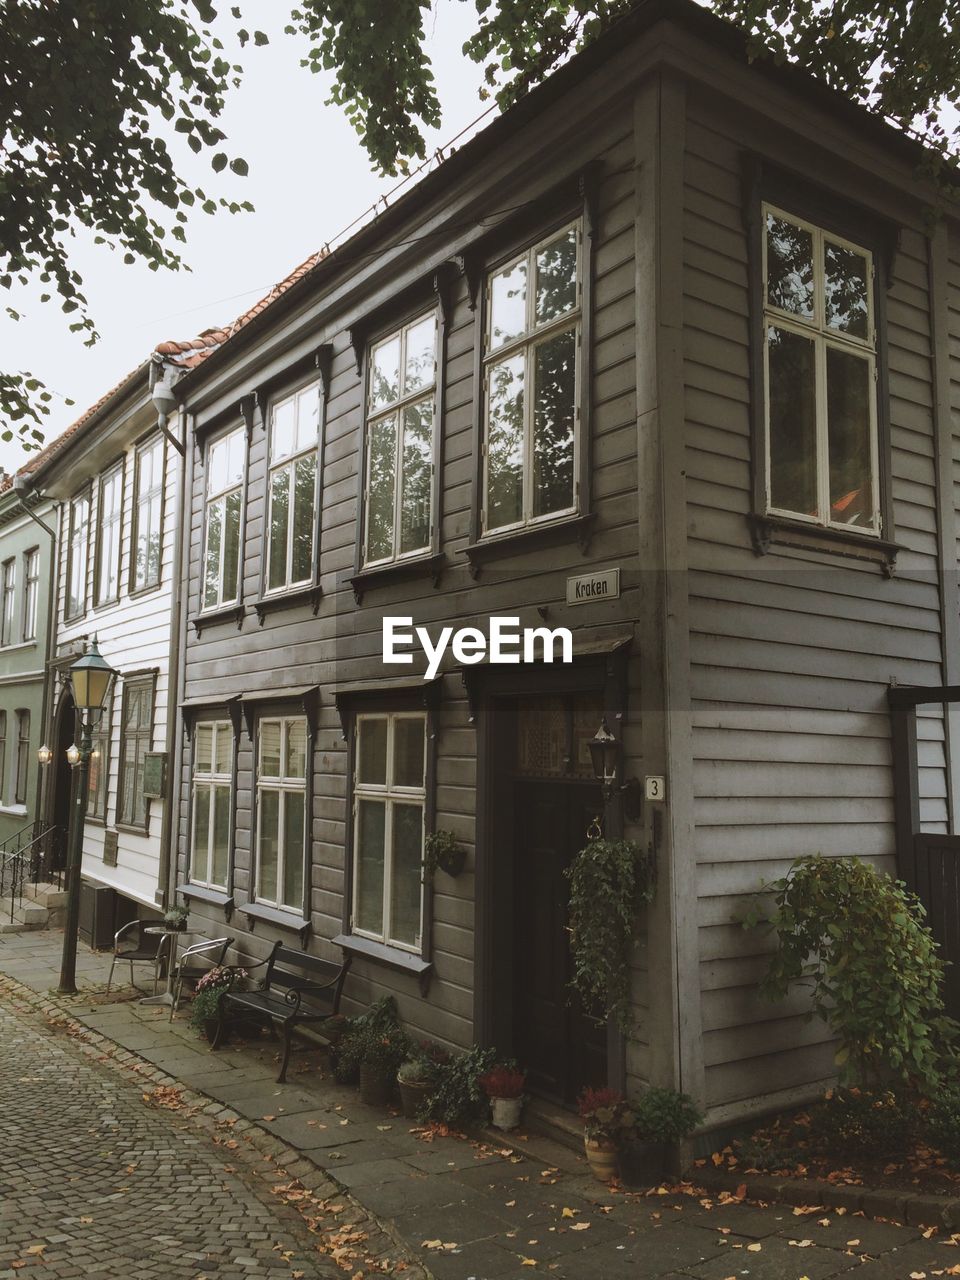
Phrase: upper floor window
(78, 550)
(401, 400)
(31, 586)
(23, 757)
(147, 514)
(281, 812)
(389, 796)
(294, 436)
(107, 570)
(8, 593)
(820, 364)
(531, 384)
(136, 738)
(98, 769)
(212, 783)
(222, 511)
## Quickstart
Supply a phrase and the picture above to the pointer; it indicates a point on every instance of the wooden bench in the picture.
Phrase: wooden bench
(286, 998)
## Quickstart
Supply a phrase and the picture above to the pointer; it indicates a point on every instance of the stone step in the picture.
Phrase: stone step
(26, 917)
(46, 895)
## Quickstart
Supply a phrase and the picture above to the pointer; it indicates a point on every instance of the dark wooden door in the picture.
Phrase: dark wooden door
(560, 1046)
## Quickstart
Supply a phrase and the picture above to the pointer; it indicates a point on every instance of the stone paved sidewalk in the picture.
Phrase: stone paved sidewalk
(454, 1209)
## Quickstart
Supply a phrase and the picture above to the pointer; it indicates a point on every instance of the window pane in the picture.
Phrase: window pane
(372, 751)
(204, 748)
(211, 577)
(385, 373)
(224, 748)
(221, 835)
(279, 523)
(408, 739)
(147, 565)
(370, 831)
(231, 545)
(405, 884)
(308, 417)
(793, 422)
(234, 461)
(296, 766)
(555, 373)
(508, 304)
(293, 850)
(380, 488)
(129, 781)
(557, 277)
(77, 570)
(420, 355)
(284, 422)
(505, 443)
(305, 479)
(789, 267)
(201, 833)
(848, 425)
(217, 466)
(270, 748)
(139, 800)
(268, 844)
(846, 289)
(417, 457)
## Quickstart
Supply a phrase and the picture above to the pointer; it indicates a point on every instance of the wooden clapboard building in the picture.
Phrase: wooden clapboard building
(674, 325)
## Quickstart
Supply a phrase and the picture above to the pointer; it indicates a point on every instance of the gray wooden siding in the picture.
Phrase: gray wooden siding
(791, 653)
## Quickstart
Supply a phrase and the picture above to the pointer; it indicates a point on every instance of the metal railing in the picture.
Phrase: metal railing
(24, 862)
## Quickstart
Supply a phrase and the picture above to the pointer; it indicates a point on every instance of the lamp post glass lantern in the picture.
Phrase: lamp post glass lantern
(604, 755)
(91, 678)
(44, 754)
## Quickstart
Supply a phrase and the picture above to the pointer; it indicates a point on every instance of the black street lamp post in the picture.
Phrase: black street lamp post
(91, 678)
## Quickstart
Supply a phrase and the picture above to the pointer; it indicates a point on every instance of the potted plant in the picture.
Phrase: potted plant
(205, 1007)
(380, 1053)
(175, 918)
(607, 1122)
(503, 1085)
(442, 851)
(662, 1118)
(418, 1075)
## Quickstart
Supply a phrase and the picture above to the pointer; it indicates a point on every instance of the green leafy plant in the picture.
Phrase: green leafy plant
(457, 1097)
(442, 852)
(423, 1064)
(606, 1115)
(859, 939)
(206, 1000)
(663, 1115)
(862, 1121)
(176, 917)
(381, 1018)
(609, 881)
(381, 1050)
(942, 1123)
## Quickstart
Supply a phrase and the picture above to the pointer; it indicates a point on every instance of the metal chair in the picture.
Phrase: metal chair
(145, 949)
(187, 970)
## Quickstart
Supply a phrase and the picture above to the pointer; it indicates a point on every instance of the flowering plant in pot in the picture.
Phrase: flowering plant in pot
(380, 1052)
(176, 918)
(442, 851)
(662, 1118)
(418, 1075)
(205, 1006)
(503, 1085)
(608, 1120)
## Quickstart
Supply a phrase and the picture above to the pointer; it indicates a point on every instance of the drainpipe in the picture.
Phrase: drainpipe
(22, 486)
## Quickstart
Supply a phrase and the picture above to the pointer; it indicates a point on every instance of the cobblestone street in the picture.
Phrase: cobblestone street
(95, 1183)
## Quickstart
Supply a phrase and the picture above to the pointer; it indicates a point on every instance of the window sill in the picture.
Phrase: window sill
(14, 810)
(778, 531)
(133, 829)
(21, 644)
(232, 613)
(532, 538)
(255, 911)
(311, 595)
(406, 961)
(397, 571)
(213, 897)
(137, 593)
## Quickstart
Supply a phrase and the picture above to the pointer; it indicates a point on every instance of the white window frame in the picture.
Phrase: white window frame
(387, 793)
(219, 498)
(152, 495)
(395, 410)
(78, 556)
(31, 592)
(210, 780)
(115, 525)
(527, 343)
(284, 785)
(288, 463)
(8, 600)
(816, 330)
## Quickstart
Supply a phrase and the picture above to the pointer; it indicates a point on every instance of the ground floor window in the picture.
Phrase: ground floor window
(389, 798)
(281, 812)
(99, 767)
(212, 788)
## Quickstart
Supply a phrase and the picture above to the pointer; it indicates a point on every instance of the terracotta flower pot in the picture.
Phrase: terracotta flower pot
(506, 1112)
(413, 1094)
(374, 1087)
(603, 1156)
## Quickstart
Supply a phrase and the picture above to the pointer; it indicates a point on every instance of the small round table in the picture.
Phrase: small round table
(165, 998)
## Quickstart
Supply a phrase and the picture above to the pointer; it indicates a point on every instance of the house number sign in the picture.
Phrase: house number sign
(587, 587)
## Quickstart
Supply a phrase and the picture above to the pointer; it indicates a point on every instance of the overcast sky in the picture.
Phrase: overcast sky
(308, 178)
